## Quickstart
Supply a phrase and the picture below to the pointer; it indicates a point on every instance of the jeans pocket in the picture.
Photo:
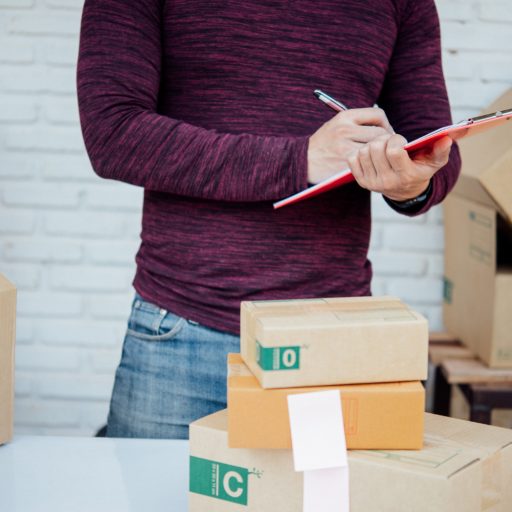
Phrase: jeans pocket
(149, 322)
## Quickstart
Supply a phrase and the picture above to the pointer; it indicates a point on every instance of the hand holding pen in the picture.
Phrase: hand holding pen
(348, 131)
(378, 161)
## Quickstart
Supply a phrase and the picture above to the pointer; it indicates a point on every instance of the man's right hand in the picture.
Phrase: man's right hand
(330, 146)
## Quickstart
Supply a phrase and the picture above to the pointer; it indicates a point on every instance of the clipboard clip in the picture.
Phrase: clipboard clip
(493, 115)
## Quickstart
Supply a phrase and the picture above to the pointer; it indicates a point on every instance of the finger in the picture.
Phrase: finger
(355, 167)
(441, 152)
(380, 161)
(366, 134)
(367, 167)
(378, 155)
(369, 117)
(396, 155)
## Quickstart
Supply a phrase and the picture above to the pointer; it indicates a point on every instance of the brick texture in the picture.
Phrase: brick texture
(68, 239)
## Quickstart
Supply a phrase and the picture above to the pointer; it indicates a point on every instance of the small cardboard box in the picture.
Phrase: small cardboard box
(316, 342)
(478, 245)
(464, 466)
(376, 416)
(7, 336)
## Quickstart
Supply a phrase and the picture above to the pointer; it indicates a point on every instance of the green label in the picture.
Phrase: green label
(480, 219)
(447, 290)
(217, 480)
(480, 238)
(278, 358)
(504, 354)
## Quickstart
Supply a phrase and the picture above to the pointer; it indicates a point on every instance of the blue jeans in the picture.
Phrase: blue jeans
(172, 372)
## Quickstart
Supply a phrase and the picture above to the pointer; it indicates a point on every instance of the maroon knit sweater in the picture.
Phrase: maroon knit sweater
(208, 105)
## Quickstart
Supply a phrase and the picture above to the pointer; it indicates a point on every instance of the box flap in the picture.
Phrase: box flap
(451, 446)
(497, 181)
(470, 188)
(216, 421)
(467, 434)
(483, 153)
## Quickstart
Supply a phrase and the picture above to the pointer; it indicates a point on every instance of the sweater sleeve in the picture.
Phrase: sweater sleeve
(118, 81)
(414, 93)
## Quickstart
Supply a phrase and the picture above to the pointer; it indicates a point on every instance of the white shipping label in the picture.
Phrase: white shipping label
(318, 437)
(326, 490)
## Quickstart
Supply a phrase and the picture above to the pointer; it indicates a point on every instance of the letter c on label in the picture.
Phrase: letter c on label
(233, 475)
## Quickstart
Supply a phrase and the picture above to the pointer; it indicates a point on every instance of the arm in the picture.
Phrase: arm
(415, 100)
(127, 140)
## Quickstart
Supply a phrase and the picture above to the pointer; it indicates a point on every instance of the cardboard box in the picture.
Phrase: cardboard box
(7, 336)
(464, 466)
(376, 416)
(317, 342)
(478, 245)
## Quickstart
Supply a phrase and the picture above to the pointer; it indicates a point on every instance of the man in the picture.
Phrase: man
(208, 105)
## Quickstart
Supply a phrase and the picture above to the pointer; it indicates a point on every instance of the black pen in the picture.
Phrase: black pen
(329, 101)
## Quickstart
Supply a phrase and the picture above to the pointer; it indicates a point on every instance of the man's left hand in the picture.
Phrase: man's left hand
(383, 165)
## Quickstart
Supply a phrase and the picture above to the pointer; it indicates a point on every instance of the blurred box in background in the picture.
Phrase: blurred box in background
(7, 337)
(478, 245)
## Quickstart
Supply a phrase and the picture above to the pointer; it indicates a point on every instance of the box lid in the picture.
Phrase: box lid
(486, 174)
(327, 313)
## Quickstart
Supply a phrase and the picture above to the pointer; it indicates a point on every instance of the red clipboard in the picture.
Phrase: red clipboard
(456, 131)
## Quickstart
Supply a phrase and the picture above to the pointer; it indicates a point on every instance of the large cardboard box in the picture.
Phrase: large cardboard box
(478, 245)
(7, 335)
(464, 466)
(376, 416)
(315, 342)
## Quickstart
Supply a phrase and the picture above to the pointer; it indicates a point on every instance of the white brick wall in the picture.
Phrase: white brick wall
(70, 250)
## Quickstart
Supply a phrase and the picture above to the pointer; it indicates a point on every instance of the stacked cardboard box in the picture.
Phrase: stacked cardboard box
(478, 245)
(7, 335)
(463, 466)
(374, 352)
(333, 341)
(376, 416)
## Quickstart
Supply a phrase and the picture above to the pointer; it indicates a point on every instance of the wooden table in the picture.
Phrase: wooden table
(484, 388)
